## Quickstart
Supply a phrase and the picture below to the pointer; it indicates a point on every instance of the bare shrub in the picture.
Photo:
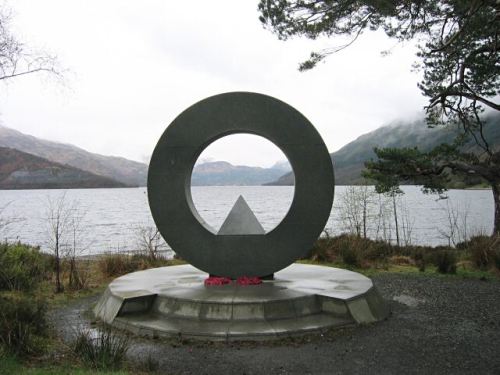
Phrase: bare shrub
(383, 228)
(150, 242)
(57, 220)
(407, 222)
(355, 208)
(76, 245)
(65, 221)
(456, 218)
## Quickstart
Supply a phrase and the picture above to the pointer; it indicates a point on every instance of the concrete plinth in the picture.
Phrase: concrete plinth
(173, 301)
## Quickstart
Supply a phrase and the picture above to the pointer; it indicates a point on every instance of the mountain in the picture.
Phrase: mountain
(20, 170)
(349, 160)
(224, 173)
(283, 165)
(287, 179)
(126, 171)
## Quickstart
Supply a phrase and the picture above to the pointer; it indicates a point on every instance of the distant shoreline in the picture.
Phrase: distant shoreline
(198, 186)
(68, 188)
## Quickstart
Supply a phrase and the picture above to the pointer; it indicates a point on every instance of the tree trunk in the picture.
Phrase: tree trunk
(364, 219)
(395, 218)
(58, 273)
(59, 288)
(495, 187)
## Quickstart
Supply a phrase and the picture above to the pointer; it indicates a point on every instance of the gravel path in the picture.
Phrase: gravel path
(438, 326)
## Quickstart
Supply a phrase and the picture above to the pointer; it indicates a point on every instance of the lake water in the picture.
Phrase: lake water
(113, 216)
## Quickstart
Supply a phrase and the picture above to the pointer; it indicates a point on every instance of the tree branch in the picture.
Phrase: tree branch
(443, 95)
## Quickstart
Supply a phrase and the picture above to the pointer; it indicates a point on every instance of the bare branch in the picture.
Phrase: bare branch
(17, 60)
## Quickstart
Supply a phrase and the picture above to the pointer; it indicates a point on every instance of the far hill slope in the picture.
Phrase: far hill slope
(224, 173)
(126, 171)
(349, 160)
(20, 170)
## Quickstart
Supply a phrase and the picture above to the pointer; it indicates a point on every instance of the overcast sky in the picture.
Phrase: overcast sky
(135, 65)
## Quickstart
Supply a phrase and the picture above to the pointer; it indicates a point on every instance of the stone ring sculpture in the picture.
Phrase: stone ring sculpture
(169, 185)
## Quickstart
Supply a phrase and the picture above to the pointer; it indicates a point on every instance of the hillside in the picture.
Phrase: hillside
(349, 160)
(20, 170)
(117, 168)
(224, 173)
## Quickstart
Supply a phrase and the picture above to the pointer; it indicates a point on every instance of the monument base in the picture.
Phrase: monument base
(173, 301)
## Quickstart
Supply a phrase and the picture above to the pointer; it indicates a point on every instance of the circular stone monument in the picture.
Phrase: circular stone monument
(238, 254)
(300, 298)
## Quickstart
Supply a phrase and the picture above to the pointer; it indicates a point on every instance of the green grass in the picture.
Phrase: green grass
(46, 290)
(372, 259)
(478, 258)
(41, 286)
(106, 350)
(411, 270)
(11, 366)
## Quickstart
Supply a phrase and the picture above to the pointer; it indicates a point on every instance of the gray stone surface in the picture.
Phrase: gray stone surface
(300, 299)
(169, 181)
(241, 220)
(453, 329)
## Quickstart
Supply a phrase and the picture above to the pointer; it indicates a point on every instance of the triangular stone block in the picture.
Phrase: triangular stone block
(241, 220)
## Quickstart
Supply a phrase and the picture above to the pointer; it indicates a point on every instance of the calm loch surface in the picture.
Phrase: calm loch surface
(113, 216)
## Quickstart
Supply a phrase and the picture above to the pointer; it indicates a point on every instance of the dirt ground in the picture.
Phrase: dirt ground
(438, 325)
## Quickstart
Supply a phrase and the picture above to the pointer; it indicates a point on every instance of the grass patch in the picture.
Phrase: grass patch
(478, 258)
(114, 265)
(27, 292)
(446, 261)
(29, 277)
(23, 325)
(484, 251)
(430, 271)
(10, 365)
(101, 349)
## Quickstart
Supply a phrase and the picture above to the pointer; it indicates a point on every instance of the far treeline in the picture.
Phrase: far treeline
(459, 58)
